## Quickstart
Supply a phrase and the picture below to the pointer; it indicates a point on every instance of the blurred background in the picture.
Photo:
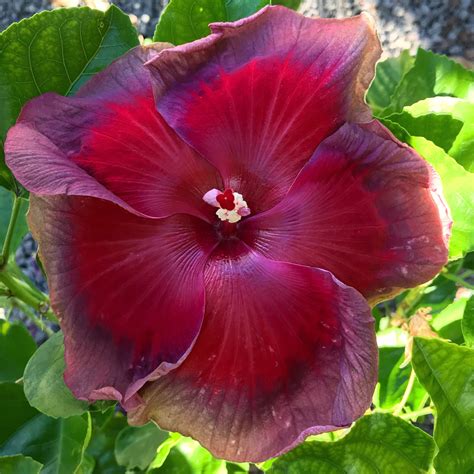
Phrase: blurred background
(444, 26)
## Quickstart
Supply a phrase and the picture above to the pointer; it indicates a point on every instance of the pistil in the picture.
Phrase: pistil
(231, 205)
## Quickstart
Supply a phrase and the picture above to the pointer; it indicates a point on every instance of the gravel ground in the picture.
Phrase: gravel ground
(444, 26)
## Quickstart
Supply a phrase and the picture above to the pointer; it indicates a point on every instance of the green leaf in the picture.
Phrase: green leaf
(21, 228)
(44, 383)
(441, 129)
(392, 380)
(58, 444)
(200, 459)
(431, 75)
(19, 465)
(87, 465)
(462, 149)
(15, 409)
(164, 450)
(105, 428)
(118, 36)
(468, 323)
(293, 4)
(447, 323)
(56, 51)
(378, 443)
(388, 74)
(136, 446)
(438, 295)
(183, 21)
(458, 191)
(16, 347)
(447, 372)
(233, 468)
(176, 463)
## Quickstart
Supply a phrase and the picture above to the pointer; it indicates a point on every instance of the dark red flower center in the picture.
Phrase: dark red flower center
(226, 200)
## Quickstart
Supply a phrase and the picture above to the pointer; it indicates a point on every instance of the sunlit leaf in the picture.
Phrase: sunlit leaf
(376, 443)
(447, 372)
(462, 148)
(458, 190)
(393, 380)
(431, 75)
(388, 74)
(468, 322)
(19, 465)
(441, 129)
(447, 323)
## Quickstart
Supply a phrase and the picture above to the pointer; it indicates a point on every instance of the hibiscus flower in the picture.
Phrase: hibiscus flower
(213, 217)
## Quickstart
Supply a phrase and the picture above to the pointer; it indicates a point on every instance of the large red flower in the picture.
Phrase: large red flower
(211, 222)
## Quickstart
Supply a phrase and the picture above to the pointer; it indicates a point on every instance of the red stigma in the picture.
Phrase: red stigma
(226, 200)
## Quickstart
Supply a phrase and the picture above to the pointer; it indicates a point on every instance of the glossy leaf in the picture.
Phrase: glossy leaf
(447, 372)
(164, 450)
(388, 74)
(376, 443)
(16, 410)
(58, 444)
(55, 51)
(468, 322)
(183, 21)
(293, 4)
(16, 347)
(447, 323)
(21, 228)
(19, 465)
(431, 75)
(135, 447)
(393, 380)
(105, 429)
(200, 459)
(187, 456)
(87, 465)
(441, 129)
(44, 383)
(176, 463)
(438, 295)
(458, 191)
(462, 149)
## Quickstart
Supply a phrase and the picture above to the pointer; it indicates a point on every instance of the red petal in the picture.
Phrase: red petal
(113, 132)
(129, 291)
(257, 96)
(285, 351)
(367, 208)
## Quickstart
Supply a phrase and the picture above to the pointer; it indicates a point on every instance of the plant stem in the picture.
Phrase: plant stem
(411, 381)
(37, 321)
(417, 413)
(12, 278)
(10, 230)
(459, 280)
